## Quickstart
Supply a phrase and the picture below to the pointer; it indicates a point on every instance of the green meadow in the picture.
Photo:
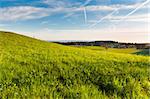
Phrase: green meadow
(35, 69)
(114, 50)
(144, 52)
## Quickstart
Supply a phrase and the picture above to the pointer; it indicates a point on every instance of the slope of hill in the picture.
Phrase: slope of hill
(31, 68)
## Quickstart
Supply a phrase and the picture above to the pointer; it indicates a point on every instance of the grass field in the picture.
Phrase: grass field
(34, 69)
(145, 52)
(114, 50)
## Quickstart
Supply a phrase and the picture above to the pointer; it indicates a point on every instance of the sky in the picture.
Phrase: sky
(82, 20)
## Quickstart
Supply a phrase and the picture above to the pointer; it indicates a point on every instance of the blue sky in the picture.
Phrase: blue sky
(119, 20)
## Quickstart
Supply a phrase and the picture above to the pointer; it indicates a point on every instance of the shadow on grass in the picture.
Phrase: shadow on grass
(144, 52)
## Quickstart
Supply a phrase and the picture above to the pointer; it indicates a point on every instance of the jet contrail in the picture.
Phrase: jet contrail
(116, 11)
(134, 10)
(103, 18)
(84, 9)
(85, 15)
(83, 5)
(86, 2)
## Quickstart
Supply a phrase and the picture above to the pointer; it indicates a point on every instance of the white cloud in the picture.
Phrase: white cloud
(29, 12)
(26, 12)
(119, 7)
(22, 13)
(54, 3)
(60, 3)
(97, 8)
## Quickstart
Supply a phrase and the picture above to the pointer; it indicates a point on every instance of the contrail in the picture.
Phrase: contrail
(116, 11)
(135, 10)
(85, 15)
(83, 5)
(84, 9)
(103, 18)
(86, 2)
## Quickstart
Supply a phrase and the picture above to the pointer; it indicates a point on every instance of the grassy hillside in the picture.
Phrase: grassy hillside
(115, 50)
(35, 69)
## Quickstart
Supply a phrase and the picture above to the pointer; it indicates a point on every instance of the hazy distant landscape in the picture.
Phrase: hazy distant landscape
(112, 46)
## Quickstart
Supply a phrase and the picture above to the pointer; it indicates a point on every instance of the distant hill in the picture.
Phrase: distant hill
(34, 69)
(109, 44)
